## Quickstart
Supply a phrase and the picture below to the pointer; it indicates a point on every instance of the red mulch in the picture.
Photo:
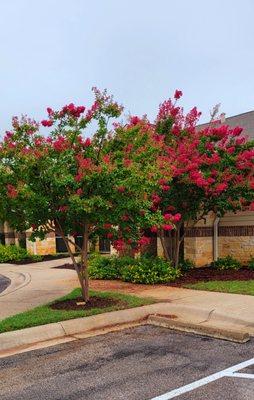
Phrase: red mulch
(210, 274)
(94, 302)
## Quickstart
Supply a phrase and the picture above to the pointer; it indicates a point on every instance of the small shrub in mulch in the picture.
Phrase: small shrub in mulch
(210, 274)
(94, 302)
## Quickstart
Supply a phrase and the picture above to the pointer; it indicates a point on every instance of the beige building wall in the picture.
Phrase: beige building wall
(42, 247)
(236, 238)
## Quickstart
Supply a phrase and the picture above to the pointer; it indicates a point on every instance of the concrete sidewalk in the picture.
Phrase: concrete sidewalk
(229, 310)
(34, 284)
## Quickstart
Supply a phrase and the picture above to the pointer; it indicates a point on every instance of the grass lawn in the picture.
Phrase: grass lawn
(45, 315)
(240, 287)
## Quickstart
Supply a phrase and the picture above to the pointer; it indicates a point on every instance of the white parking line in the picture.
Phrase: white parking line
(240, 375)
(204, 381)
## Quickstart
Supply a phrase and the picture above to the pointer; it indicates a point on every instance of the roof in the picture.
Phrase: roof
(244, 120)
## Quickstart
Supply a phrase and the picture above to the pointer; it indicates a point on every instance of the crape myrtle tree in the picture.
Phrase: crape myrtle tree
(66, 183)
(212, 171)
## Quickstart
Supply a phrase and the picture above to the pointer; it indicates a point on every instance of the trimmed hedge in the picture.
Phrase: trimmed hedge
(144, 269)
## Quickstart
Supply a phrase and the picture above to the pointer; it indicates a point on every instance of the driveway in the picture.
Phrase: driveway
(33, 285)
(139, 363)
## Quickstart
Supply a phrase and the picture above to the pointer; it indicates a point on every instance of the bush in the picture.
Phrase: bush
(225, 263)
(13, 253)
(144, 269)
(149, 270)
(251, 264)
(186, 265)
(103, 267)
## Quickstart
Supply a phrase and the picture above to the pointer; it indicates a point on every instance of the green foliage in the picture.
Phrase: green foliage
(150, 270)
(251, 264)
(13, 253)
(104, 267)
(239, 287)
(186, 265)
(225, 263)
(144, 269)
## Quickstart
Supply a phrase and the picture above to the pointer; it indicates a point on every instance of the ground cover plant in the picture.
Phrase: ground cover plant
(54, 312)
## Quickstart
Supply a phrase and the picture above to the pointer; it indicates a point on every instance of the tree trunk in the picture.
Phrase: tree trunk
(172, 253)
(82, 271)
(84, 265)
(164, 246)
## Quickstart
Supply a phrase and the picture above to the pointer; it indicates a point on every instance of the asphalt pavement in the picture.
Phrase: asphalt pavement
(4, 283)
(134, 364)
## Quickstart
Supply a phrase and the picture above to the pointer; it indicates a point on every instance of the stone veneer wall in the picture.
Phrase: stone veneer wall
(42, 247)
(199, 250)
(234, 240)
(239, 247)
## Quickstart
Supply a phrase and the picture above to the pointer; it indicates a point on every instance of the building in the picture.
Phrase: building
(234, 233)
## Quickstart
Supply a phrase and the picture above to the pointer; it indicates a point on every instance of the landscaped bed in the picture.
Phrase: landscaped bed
(67, 308)
(205, 274)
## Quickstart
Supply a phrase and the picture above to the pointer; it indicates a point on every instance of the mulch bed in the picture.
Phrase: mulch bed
(94, 302)
(65, 266)
(210, 274)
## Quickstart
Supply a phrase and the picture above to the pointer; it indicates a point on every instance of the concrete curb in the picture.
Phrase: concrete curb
(66, 329)
(175, 316)
(205, 330)
(18, 281)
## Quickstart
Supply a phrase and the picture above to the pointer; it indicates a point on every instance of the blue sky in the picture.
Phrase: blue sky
(53, 51)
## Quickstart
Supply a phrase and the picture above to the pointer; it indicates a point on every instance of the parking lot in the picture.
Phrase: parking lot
(141, 363)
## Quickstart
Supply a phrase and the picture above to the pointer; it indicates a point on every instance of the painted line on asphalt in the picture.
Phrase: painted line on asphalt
(204, 381)
(240, 375)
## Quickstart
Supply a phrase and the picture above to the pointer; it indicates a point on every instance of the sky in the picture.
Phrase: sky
(53, 51)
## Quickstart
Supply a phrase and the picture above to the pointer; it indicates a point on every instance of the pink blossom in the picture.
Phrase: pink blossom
(144, 241)
(46, 122)
(178, 94)
(11, 191)
(167, 227)
(87, 142)
(79, 192)
(121, 189)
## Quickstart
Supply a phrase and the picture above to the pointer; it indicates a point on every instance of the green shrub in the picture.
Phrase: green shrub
(225, 263)
(103, 267)
(149, 270)
(251, 264)
(186, 265)
(13, 253)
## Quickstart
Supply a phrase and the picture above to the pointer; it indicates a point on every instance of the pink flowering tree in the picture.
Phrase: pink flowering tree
(211, 168)
(66, 182)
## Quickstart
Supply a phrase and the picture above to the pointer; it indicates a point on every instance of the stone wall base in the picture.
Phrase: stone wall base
(239, 247)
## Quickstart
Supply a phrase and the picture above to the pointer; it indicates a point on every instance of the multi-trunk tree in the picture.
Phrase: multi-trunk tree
(212, 170)
(66, 183)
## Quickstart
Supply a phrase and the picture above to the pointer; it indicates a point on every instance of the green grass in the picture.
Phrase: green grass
(45, 315)
(239, 287)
